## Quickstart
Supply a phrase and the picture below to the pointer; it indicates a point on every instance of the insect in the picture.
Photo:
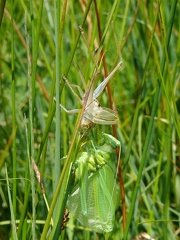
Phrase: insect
(94, 113)
(93, 199)
(101, 201)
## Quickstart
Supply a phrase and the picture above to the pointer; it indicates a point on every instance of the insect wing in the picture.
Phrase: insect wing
(106, 114)
(101, 116)
(100, 88)
(101, 196)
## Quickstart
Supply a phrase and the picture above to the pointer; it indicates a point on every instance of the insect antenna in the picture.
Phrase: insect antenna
(88, 48)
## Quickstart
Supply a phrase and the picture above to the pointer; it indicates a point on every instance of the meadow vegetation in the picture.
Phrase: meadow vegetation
(42, 41)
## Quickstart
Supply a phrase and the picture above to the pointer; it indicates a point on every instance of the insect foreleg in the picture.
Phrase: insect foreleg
(73, 111)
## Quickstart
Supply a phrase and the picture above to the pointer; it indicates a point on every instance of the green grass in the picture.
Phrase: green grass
(40, 45)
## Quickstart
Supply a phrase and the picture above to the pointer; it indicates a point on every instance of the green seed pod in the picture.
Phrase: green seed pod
(91, 167)
(99, 159)
(105, 155)
(82, 157)
(92, 163)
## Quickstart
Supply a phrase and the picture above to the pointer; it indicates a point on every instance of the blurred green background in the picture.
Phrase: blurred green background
(40, 41)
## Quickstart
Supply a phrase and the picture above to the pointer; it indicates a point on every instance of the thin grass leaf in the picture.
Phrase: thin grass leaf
(11, 207)
(13, 110)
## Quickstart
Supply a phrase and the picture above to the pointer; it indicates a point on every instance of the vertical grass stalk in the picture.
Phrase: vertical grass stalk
(151, 124)
(13, 221)
(13, 110)
(57, 136)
